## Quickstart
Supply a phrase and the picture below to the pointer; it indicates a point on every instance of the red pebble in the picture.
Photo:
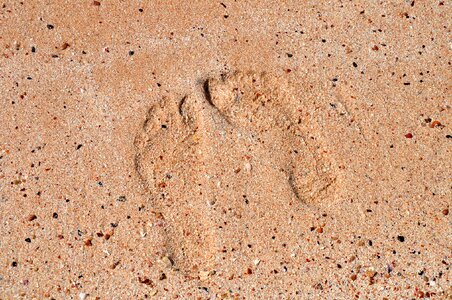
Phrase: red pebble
(408, 135)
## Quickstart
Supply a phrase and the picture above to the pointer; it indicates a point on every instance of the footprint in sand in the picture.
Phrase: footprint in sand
(223, 159)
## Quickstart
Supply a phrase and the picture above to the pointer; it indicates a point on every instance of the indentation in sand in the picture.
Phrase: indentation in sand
(228, 154)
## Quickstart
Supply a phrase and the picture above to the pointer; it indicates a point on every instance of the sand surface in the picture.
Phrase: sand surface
(225, 150)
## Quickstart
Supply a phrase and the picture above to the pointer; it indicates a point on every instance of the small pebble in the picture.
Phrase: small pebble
(401, 238)
(121, 199)
(166, 262)
(31, 218)
(371, 274)
(203, 275)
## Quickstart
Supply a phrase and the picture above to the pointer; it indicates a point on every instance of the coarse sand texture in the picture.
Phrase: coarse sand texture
(230, 150)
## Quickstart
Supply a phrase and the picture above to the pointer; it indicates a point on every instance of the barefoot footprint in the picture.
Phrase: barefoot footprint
(222, 160)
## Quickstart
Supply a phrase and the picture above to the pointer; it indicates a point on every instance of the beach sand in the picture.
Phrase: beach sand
(225, 150)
